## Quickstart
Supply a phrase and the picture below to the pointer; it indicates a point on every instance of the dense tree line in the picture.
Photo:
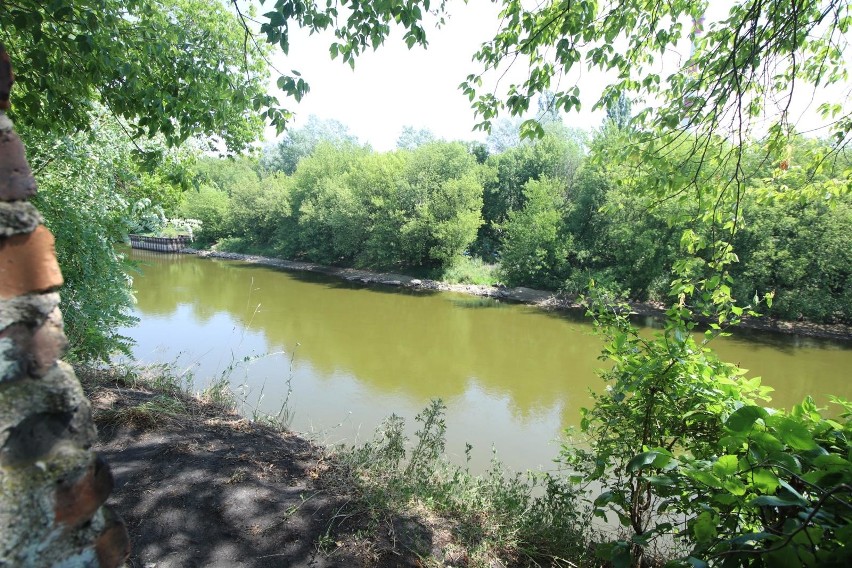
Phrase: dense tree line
(346, 205)
(552, 213)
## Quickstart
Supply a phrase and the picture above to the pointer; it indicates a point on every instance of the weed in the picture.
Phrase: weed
(220, 395)
(282, 420)
(238, 476)
(496, 517)
(326, 545)
(147, 415)
(470, 270)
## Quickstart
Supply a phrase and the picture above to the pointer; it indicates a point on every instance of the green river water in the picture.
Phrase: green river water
(512, 377)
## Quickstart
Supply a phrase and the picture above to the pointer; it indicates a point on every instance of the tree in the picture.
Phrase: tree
(800, 250)
(760, 51)
(548, 113)
(535, 246)
(171, 67)
(83, 184)
(556, 155)
(618, 112)
(503, 135)
(411, 138)
(298, 143)
(444, 181)
(96, 79)
(210, 206)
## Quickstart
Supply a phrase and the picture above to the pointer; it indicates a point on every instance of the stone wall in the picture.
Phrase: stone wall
(52, 486)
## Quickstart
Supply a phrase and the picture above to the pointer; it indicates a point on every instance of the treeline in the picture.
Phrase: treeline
(553, 214)
(346, 205)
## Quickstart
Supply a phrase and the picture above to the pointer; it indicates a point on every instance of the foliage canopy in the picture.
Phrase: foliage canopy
(172, 67)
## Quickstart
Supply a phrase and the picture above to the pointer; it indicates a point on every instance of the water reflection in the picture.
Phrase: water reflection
(511, 375)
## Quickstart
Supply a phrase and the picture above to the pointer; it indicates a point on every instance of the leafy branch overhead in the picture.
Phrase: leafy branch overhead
(179, 68)
(758, 53)
(170, 67)
(357, 27)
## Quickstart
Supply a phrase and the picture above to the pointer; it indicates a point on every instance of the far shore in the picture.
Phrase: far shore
(543, 299)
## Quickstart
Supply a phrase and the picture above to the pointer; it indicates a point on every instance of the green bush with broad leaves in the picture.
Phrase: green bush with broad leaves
(777, 491)
(685, 452)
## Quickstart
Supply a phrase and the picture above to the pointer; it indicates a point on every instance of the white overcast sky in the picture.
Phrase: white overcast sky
(396, 87)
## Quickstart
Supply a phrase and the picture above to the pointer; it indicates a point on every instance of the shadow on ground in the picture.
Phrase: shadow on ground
(207, 490)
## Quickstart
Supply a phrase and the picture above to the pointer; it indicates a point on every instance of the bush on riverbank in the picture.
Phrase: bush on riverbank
(522, 519)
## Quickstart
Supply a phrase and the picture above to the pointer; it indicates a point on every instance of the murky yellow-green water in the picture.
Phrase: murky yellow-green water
(512, 377)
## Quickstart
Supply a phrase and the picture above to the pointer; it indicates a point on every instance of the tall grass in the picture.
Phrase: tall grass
(495, 518)
(176, 395)
(470, 270)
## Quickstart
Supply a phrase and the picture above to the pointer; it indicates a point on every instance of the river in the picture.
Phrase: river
(512, 376)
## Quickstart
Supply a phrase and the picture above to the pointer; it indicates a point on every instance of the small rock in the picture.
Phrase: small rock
(28, 264)
(16, 178)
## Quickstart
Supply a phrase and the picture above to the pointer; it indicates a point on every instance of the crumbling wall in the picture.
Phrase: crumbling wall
(52, 486)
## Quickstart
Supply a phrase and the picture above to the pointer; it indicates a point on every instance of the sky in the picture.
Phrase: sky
(396, 87)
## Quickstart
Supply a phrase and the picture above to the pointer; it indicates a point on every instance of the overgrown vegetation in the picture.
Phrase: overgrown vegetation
(102, 93)
(684, 200)
(546, 214)
(520, 519)
(725, 481)
(685, 450)
(178, 395)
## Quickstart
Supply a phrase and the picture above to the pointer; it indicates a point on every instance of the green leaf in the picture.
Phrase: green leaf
(832, 461)
(764, 480)
(734, 486)
(705, 477)
(661, 480)
(726, 465)
(793, 433)
(704, 527)
(742, 419)
(778, 501)
(724, 499)
(656, 458)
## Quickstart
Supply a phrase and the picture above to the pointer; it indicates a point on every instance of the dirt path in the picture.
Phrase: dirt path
(203, 488)
(543, 299)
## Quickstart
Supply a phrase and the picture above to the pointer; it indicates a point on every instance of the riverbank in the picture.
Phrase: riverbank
(199, 485)
(543, 299)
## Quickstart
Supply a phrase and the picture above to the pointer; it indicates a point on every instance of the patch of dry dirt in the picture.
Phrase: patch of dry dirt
(213, 490)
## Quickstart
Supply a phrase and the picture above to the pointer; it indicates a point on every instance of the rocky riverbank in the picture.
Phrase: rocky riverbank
(541, 298)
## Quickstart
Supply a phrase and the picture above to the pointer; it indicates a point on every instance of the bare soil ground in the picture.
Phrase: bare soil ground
(205, 487)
